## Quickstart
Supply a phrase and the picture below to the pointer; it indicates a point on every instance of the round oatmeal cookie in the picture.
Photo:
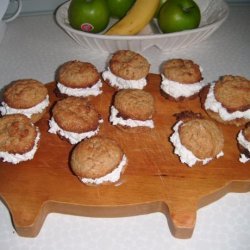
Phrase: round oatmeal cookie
(129, 65)
(227, 100)
(77, 74)
(233, 92)
(27, 96)
(182, 71)
(134, 104)
(75, 114)
(196, 139)
(181, 80)
(202, 137)
(96, 157)
(17, 134)
(24, 94)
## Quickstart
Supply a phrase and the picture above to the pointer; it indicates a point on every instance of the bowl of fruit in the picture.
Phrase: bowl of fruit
(110, 25)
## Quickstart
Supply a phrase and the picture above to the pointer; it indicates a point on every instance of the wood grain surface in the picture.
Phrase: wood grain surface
(154, 180)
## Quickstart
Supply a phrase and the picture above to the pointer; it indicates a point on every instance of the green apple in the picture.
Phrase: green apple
(119, 8)
(178, 15)
(89, 15)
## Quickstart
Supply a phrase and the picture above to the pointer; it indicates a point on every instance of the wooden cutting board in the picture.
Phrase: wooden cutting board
(155, 180)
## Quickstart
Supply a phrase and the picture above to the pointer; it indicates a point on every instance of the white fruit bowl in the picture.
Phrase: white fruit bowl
(213, 12)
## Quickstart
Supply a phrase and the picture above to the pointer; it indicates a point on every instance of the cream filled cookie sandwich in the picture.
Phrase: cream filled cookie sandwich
(98, 160)
(243, 140)
(196, 140)
(80, 79)
(28, 97)
(228, 100)
(133, 110)
(181, 79)
(74, 119)
(127, 69)
(19, 138)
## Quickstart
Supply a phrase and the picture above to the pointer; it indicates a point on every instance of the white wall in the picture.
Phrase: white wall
(48, 6)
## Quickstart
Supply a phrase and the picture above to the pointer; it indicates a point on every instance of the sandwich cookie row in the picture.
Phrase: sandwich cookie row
(227, 100)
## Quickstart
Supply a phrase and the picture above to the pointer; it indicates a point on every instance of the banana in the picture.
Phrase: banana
(136, 19)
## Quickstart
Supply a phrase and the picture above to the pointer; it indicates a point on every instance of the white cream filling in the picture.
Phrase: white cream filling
(7, 110)
(176, 89)
(121, 83)
(243, 158)
(186, 156)
(212, 104)
(115, 120)
(111, 177)
(83, 92)
(16, 158)
(244, 143)
(71, 136)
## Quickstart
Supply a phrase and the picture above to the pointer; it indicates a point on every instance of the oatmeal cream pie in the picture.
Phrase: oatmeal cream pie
(80, 79)
(228, 100)
(133, 110)
(98, 160)
(243, 140)
(19, 138)
(27, 96)
(75, 119)
(181, 79)
(127, 69)
(196, 139)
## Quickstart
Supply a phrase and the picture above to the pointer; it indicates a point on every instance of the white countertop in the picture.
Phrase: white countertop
(34, 47)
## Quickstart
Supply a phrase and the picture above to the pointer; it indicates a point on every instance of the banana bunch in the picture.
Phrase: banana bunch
(136, 19)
